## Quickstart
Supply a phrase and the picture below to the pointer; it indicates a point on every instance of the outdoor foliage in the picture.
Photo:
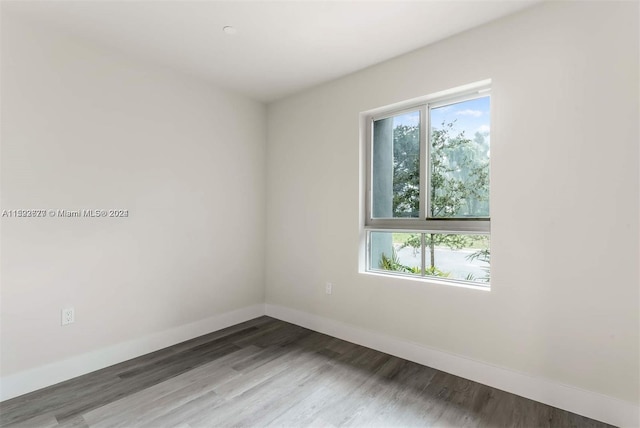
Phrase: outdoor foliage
(459, 174)
(483, 255)
(393, 264)
(406, 171)
(459, 187)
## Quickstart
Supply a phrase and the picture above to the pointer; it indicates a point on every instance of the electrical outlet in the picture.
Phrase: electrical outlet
(68, 316)
(328, 288)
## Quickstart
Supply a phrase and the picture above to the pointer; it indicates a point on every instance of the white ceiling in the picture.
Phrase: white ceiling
(281, 46)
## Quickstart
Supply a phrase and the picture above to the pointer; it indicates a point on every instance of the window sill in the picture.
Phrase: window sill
(430, 280)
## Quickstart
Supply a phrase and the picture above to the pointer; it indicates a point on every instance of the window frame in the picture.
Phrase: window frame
(422, 224)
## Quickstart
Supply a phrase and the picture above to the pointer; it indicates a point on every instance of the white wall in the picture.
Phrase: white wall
(87, 128)
(564, 302)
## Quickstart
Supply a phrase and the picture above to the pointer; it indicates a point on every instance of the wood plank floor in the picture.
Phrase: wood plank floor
(267, 373)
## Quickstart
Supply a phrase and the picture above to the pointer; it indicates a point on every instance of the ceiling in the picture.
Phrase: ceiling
(280, 46)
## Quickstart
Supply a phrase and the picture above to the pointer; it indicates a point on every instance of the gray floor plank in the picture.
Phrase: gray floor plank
(46, 420)
(161, 398)
(267, 372)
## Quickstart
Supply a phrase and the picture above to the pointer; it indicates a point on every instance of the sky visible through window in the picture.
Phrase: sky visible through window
(469, 116)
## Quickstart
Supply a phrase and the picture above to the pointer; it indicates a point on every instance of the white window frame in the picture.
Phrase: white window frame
(421, 224)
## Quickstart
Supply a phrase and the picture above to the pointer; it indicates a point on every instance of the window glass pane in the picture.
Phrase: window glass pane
(459, 164)
(389, 251)
(396, 166)
(465, 257)
(447, 256)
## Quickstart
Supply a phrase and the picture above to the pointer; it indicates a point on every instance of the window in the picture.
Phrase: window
(427, 199)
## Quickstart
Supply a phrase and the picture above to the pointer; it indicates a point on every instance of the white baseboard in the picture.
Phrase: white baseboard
(586, 403)
(50, 374)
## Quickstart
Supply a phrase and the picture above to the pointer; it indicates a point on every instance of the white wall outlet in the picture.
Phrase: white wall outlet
(328, 288)
(68, 316)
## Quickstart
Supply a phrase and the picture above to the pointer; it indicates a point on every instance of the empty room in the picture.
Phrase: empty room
(319, 213)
